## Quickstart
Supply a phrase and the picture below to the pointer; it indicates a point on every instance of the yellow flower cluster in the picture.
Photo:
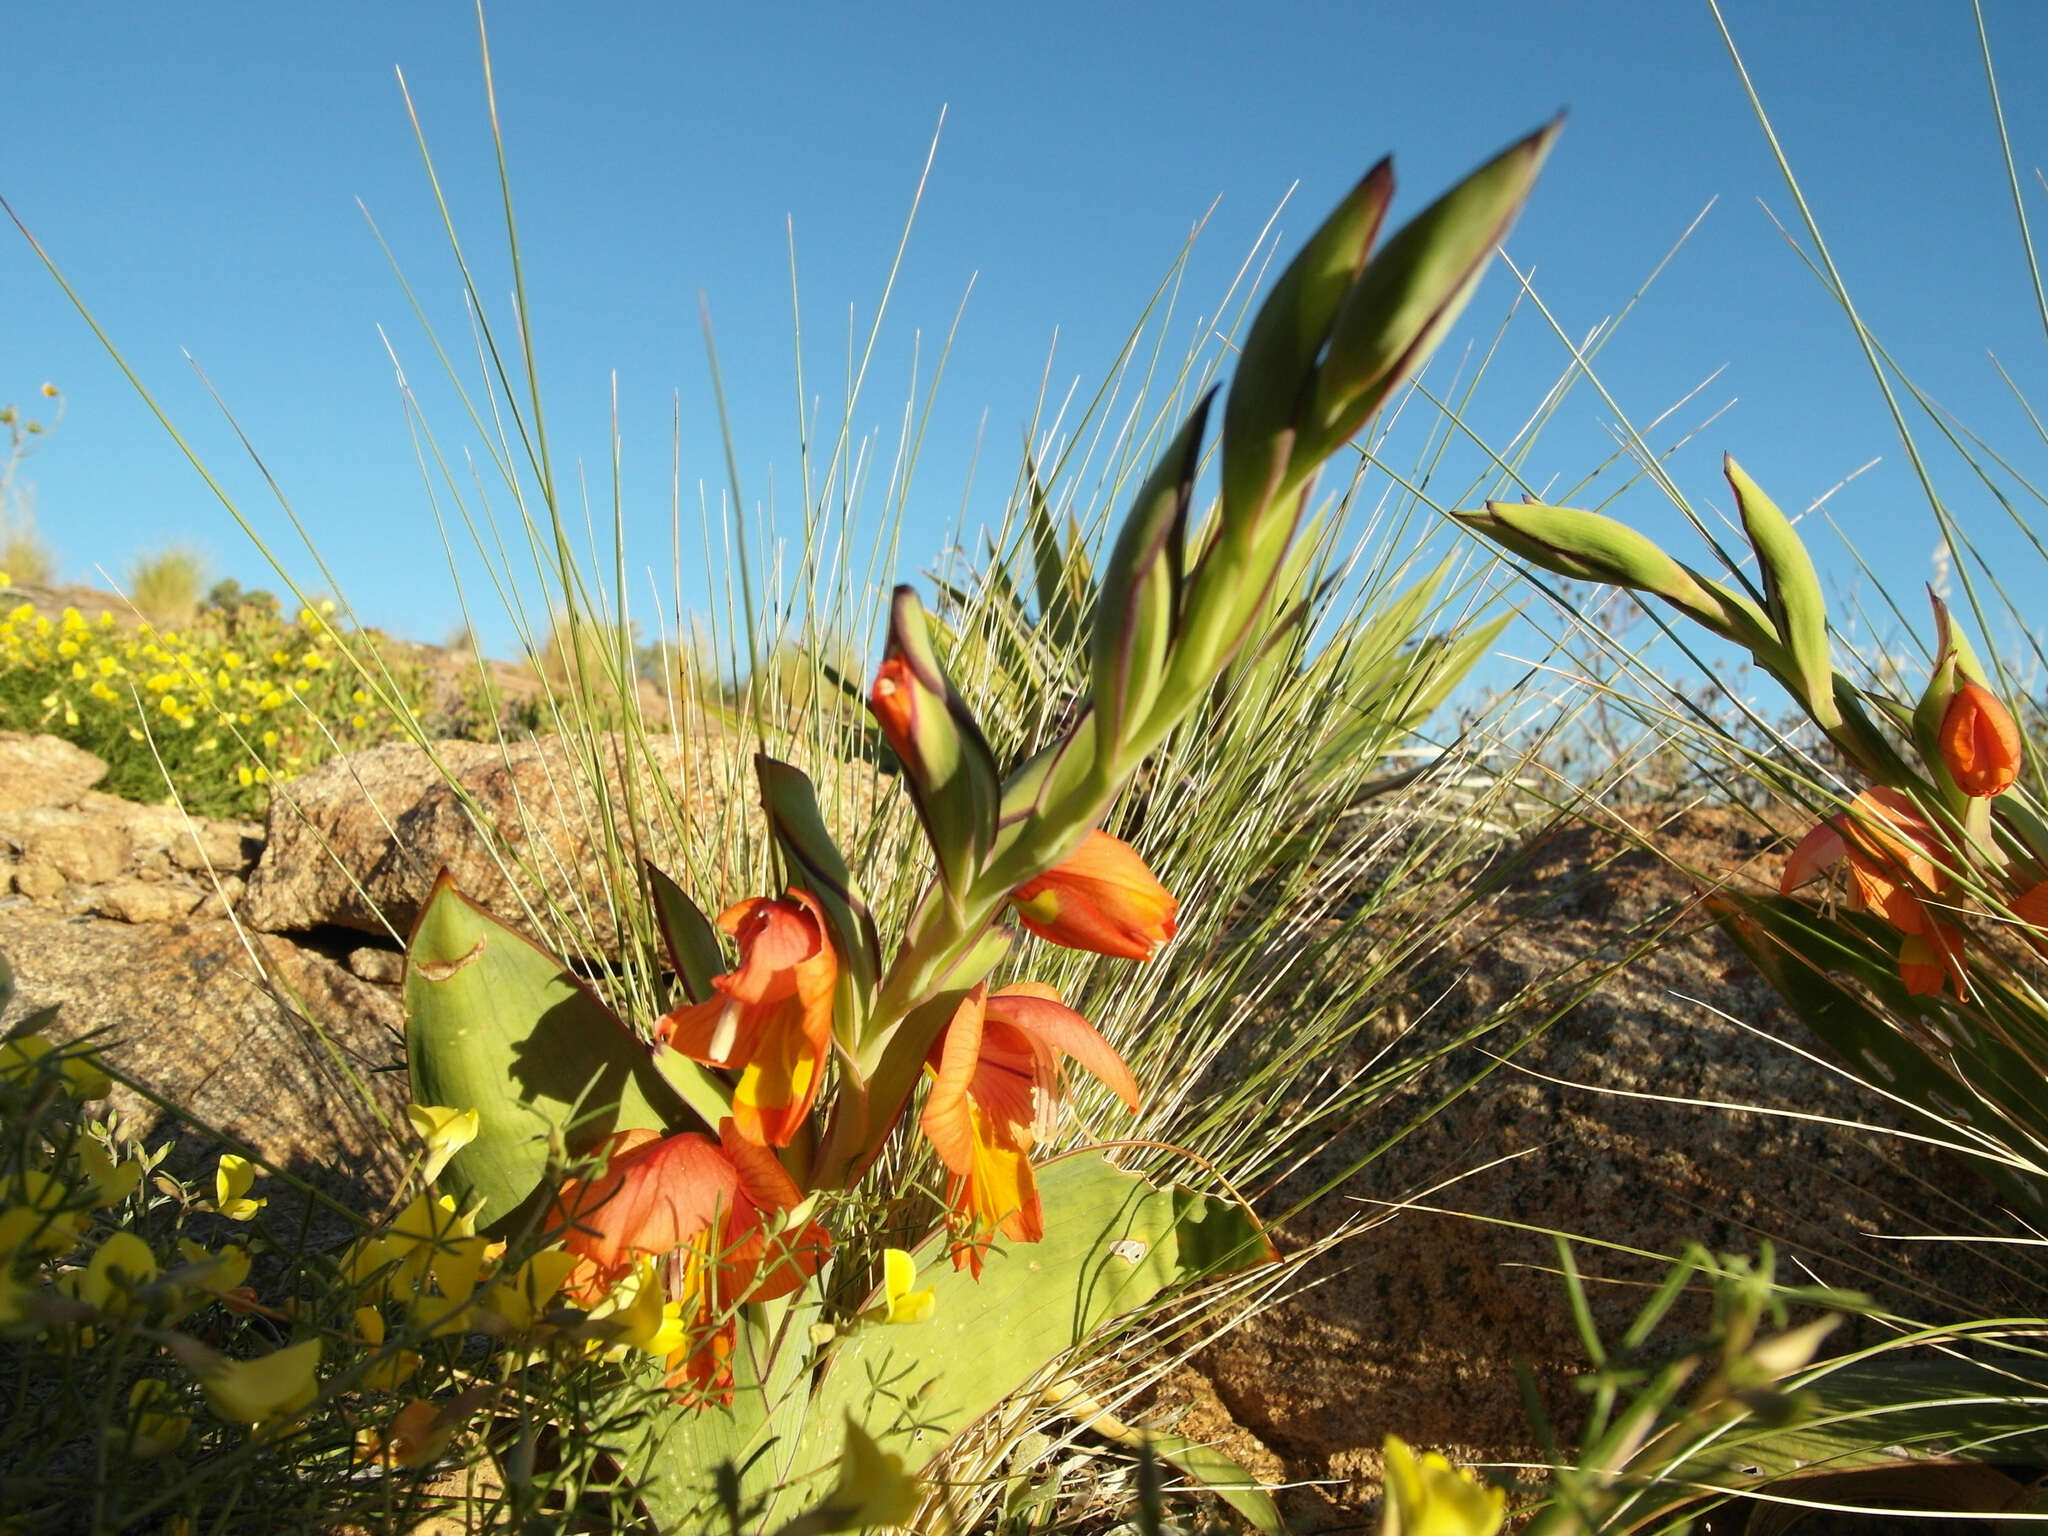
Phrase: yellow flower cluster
(224, 706)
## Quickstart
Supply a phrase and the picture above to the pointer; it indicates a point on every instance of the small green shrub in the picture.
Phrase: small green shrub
(165, 585)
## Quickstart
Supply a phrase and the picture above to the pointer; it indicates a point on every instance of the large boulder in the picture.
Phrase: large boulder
(38, 771)
(1413, 1324)
(276, 1046)
(357, 842)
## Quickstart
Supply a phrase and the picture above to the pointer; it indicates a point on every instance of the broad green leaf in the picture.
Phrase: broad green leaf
(676, 1463)
(1112, 1243)
(496, 1024)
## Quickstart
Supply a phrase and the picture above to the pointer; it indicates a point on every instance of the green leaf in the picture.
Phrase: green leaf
(496, 1024)
(816, 864)
(1883, 1413)
(1792, 593)
(1138, 609)
(1222, 1476)
(1112, 1243)
(693, 947)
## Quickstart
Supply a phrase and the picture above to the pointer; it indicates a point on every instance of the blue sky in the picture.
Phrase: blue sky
(195, 171)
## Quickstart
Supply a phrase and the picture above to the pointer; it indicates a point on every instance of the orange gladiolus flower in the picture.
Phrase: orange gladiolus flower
(2031, 907)
(1980, 742)
(996, 1094)
(773, 1019)
(893, 700)
(709, 1205)
(1892, 855)
(1101, 897)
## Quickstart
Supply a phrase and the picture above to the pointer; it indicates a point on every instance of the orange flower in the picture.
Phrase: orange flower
(1892, 855)
(2031, 907)
(682, 1196)
(1979, 742)
(1100, 897)
(773, 1019)
(995, 1095)
(894, 702)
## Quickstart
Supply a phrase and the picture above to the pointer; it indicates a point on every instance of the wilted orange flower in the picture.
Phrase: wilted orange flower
(996, 1094)
(712, 1207)
(1892, 855)
(1101, 897)
(1980, 742)
(773, 1019)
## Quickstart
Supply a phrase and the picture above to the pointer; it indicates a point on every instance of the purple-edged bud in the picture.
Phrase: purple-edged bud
(1137, 615)
(1792, 593)
(1412, 292)
(947, 765)
(1589, 547)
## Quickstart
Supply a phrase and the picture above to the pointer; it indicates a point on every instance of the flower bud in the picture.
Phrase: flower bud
(1792, 594)
(1980, 743)
(947, 765)
(1102, 898)
(1412, 292)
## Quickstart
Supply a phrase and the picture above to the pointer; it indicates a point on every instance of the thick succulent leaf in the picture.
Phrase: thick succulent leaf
(1112, 1243)
(685, 1453)
(496, 1024)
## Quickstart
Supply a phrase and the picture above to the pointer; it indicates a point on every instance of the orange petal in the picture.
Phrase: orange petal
(2031, 907)
(656, 1193)
(1064, 1029)
(1930, 960)
(948, 1118)
(1817, 851)
(1101, 897)
(1980, 742)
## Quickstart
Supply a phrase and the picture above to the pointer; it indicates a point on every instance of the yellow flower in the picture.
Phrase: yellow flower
(37, 1226)
(386, 1373)
(642, 1314)
(84, 1078)
(111, 1181)
(873, 1489)
(155, 1426)
(231, 1181)
(900, 1303)
(252, 1391)
(216, 1272)
(122, 1264)
(516, 1299)
(445, 1131)
(1430, 1497)
(428, 1239)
